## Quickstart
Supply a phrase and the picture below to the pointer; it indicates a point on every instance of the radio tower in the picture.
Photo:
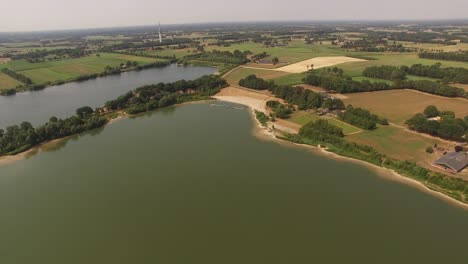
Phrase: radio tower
(160, 36)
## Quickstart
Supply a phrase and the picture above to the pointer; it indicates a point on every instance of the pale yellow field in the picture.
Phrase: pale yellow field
(319, 62)
(4, 60)
(6, 82)
(400, 105)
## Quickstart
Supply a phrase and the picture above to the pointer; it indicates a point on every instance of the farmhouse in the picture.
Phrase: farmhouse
(453, 161)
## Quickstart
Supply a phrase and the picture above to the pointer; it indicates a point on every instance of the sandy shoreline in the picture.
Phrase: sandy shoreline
(267, 133)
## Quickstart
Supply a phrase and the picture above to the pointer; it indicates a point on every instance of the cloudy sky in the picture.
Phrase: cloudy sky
(25, 15)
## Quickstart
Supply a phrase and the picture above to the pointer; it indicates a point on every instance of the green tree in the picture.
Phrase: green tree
(84, 111)
(275, 60)
(431, 111)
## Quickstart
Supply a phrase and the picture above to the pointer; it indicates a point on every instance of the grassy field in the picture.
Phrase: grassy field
(400, 105)
(296, 51)
(431, 46)
(240, 73)
(7, 82)
(399, 144)
(71, 68)
(303, 118)
(290, 79)
(363, 78)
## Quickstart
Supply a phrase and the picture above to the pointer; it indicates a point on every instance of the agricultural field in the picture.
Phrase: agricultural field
(234, 77)
(6, 82)
(401, 144)
(296, 51)
(290, 79)
(317, 63)
(400, 105)
(432, 46)
(44, 72)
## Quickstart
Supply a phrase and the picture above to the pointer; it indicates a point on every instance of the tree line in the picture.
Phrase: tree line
(17, 76)
(447, 126)
(361, 118)
(450, 56)
(385, 72)
(237, 57)
(342, 84)
(447, 75)
(395, 73)
(150, 97)
(18, 138)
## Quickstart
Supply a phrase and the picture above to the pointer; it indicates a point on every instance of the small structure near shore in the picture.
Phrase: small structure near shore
(453, 161)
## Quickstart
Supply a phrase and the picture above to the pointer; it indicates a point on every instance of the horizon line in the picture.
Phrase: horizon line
(236, 22)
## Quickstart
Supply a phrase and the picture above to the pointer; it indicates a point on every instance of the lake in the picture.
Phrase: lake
(193, 184)
(62, 100)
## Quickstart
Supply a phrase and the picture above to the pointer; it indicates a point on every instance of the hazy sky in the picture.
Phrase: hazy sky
(23, 15)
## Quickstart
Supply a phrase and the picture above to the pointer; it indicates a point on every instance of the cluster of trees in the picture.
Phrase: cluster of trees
(449, 74)
(347, 85)
(344, 84)
(361, 118)
(431, 87)
(450, 56)
(386, 72)
(262, 118)
(303, 98)
(150, 97)
(334, 70)
(259, 56)
(419, 37)
(280, 110)
(237, 57)
(253, 82)
(448, 127)
(18, 138)
(322, 133)
(319, 128)
(374, 46)
(17, 76)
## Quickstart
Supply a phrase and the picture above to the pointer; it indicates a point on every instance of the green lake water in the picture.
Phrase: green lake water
(192, 184)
